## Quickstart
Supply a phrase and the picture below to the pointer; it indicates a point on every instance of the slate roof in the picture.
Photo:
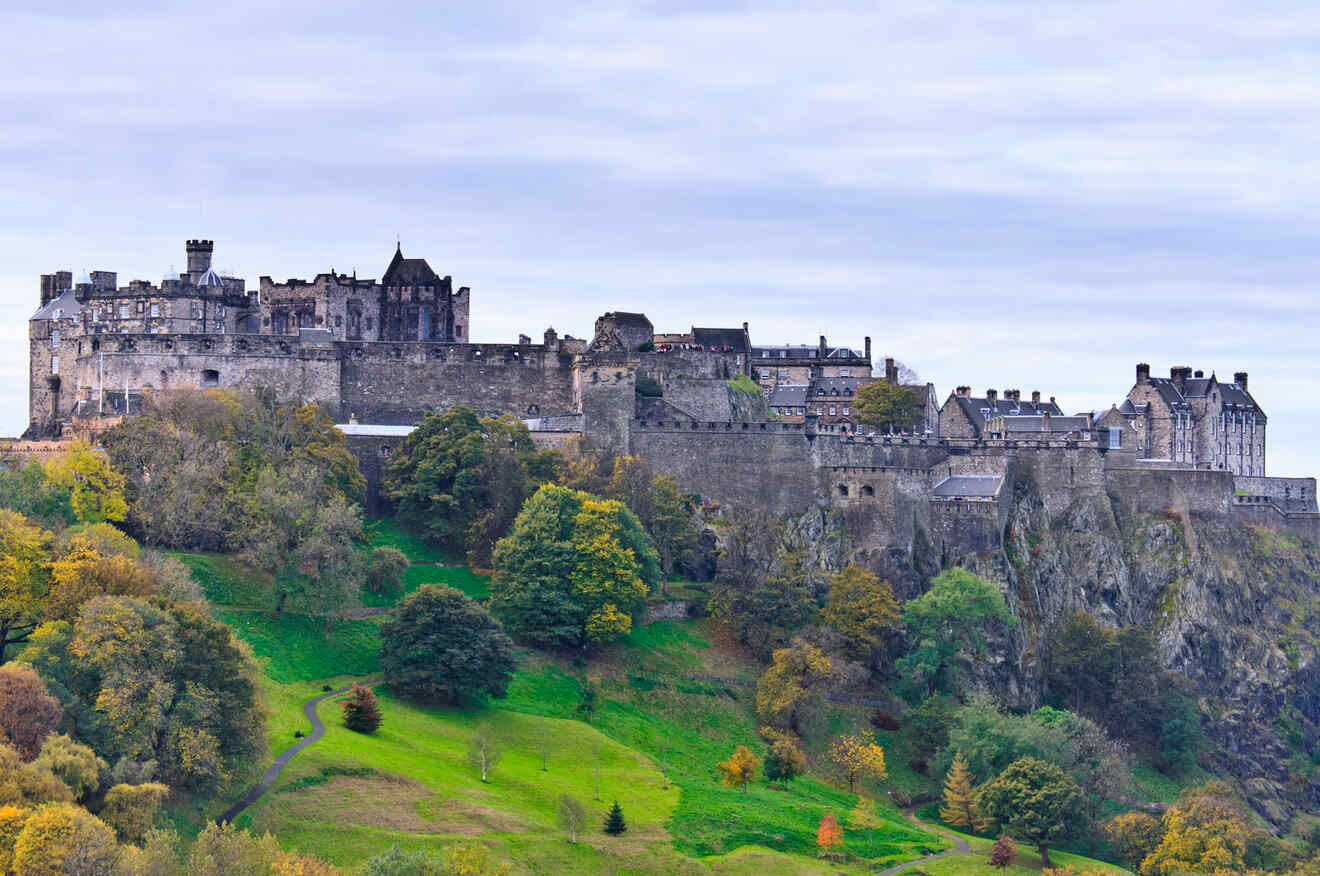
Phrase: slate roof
(635, 320)
(1036, 423)
(969, 487)
(66, 301)
(788, 395)
(804, 351)
(407, 272)
(973, 407)
(735, 339)
(835, 386)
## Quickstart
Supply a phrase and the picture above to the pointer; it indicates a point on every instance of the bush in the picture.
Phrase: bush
(385, 570)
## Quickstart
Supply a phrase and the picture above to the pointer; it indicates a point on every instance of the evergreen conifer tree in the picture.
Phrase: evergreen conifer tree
(959, 807)
(614, 823)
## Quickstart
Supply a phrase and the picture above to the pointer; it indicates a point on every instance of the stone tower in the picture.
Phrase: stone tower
(199, 257)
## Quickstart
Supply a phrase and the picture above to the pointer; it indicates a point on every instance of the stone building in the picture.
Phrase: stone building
(963, 416)
(1193, 420)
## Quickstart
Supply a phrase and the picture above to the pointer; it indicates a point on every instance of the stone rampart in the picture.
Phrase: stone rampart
(1289, 494)
(1152, 491)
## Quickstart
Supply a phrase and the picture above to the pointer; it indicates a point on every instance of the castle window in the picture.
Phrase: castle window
(54, 337)
(123, 311)
(1115, 438)
(832, 410)
(96, 314)
(868, 490)
(843, 489)
(843, 372)
(54, 364)
(155, 309)
(210, 377)
(845, 411)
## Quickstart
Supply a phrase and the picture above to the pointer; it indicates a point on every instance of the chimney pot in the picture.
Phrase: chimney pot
(1035, 396)
(1240, 379)
(991, 396)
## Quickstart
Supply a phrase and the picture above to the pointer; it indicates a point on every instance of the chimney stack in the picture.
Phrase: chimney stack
(992, 396)
(1241, 380)
(199, 256)
(964, 391)
(821, 351)
(891, 372)
(1035, 396)
(868, 348)
(744, 325)
(1143, 374)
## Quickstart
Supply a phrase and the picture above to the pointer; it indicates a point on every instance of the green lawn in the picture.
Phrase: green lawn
(386, 532)
(459, 577)
(296, 647)
(1028, 861)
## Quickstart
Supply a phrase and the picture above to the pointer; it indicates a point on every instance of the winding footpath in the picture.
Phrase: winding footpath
(960, 846)
(273, 771)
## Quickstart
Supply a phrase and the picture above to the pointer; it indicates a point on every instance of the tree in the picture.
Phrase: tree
(27, 712)
(614, 823)
(1083, 662)
(460, 478)
(157, 856)
(864, 817)
(227, 851)
(1033, 800)
(440, 646)
(829, 835)
(858, 758)
(1204, 832)
(1134, 835)
(25, 784)
(949, 624)
(573, 570)
(589, 699)
(662, 509)
(739, 769)
(891, 406)
(1003, 853)
(484, 750)
(24, 578)
(64, 838)
(929, 724)
(789, 692)
(761, 591)
(1097, 762)
(26, 488)
(83, 573)
(862, 608)
(571, 815)
(96, 491)
(361, 711)
(385, 570)
(130, 809)
(784, 761)
(74, 764)
(12, 819)
(959, 809)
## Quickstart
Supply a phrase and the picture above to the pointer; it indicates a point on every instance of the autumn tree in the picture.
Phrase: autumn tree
(1003, 853)
(864, 817)
(28, 784)
(829, 835)
(761, 591)
(739, 769)
(784, 761)
(484, 750)
(361, 710)
(75, 764)
(440, 646)
(26, 488)
(789, 694)
(1033, 800)
(959, 808)
(858, 758)
(863, 609)
(12, 819)
(890, 406)
(1204, 832)
(949, 625)
(574, 570)
(131, 809)
(614, 821)
(662, 509)
(27, 712)
(24, 579)
(225, 850)
(385, 568)
(64, 838)
(1134, 836)
(572, 815)
(83, 573)
(96, 491)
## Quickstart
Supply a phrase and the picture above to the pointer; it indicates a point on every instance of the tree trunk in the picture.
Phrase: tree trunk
(1044, 855)
(483, 765)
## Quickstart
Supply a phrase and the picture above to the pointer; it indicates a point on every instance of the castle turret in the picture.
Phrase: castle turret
(199, 257)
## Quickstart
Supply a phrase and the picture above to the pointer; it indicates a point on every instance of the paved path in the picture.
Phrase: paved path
(273, 771)
(960, 846)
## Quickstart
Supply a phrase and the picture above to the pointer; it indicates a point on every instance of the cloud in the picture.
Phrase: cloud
(1035, 195)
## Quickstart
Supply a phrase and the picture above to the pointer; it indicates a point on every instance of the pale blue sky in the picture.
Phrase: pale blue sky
(1032, 195)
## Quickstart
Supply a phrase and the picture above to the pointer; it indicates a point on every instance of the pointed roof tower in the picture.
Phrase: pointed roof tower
(407, 272)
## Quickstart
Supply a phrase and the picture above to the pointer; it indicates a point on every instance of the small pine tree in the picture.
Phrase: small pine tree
(361, 712)
(1003, 853)
(614, 823)
(958, 809)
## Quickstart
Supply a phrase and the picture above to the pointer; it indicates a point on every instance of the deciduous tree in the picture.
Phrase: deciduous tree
(64, 838)
(24, 579)
(27, 712)
(572, 815)
(890, 406)
(1033, 800)
(829, 835)
(440, 646)
(1003, 853)
(1204, 832)
(858, 758)
(739, 769)
(949, 624)
(789, 692)
(864, 817)
(784, 761)
(361, 711)
(1134, 835)
(26, 785)
(96, 491)
(863, 609)
(74, 764)
(484, 750)
(385, 570)
(130, 809)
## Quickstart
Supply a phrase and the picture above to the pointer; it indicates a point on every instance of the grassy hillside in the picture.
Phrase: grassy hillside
(656, 739)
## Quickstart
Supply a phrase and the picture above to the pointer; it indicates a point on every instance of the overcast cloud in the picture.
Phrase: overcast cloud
(1032, 195)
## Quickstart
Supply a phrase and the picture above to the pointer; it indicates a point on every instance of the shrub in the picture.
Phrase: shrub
(361, 712)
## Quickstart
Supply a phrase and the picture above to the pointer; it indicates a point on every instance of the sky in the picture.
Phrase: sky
(1031, 195)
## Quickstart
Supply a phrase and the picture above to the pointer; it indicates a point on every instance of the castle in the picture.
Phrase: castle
(770, 426)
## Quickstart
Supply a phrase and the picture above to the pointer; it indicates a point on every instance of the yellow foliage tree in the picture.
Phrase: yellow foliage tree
(959, 809)
(607, 624)
(739, 769)
(865, 817)
(24, 553)
(63, 838)
(12, 819)
(1203, 833)
(130, 809)
(784, 688)
(83, 573)
(96, 491)
(861, 607)
(1135, 835)
(858, 758)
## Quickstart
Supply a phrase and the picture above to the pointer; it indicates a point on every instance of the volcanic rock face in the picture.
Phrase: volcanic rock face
(1236, 609)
